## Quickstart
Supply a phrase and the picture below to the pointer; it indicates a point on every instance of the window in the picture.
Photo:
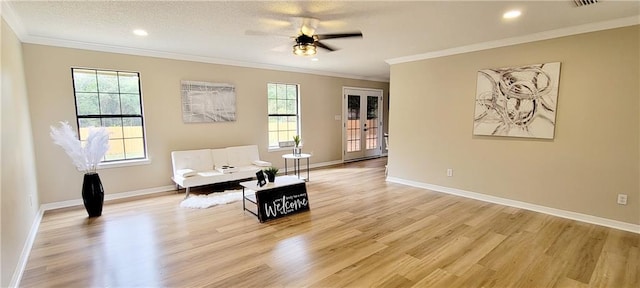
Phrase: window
(111, 99)
(284, 116)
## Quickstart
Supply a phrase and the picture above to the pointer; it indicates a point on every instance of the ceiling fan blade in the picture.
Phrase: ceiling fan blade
(338, 35)
(319, 44)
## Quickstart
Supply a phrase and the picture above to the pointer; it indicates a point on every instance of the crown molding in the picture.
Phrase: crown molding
(9, 16)
(586, 28)
(7, 13)
(178, 56)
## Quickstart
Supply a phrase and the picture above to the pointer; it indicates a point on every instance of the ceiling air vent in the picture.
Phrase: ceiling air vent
(580, 3)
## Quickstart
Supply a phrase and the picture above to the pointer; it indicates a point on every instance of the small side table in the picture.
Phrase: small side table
(296, 164)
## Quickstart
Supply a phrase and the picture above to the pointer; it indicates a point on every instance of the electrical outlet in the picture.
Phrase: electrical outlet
(449, 172)
(622, 199)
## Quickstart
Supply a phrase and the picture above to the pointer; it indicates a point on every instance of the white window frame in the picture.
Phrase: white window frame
(269, 115)
(124, 161)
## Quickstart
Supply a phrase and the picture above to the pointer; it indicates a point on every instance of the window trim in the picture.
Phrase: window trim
(297, 115)
(106, 164)
(124, 163)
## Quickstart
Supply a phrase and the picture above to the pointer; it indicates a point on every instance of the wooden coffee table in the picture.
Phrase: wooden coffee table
(287, 195)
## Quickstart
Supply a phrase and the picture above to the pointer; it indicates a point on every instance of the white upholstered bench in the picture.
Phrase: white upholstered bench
(209, 166)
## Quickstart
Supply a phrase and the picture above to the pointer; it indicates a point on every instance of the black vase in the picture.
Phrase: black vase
(92, 194)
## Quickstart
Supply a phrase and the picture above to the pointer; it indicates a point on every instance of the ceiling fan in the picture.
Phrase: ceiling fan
(307, 42)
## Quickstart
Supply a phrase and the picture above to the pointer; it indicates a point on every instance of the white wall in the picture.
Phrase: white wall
(48, 73)
(19, 182)
(593, 157)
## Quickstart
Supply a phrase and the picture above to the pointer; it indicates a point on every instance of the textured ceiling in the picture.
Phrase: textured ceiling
(258, 34)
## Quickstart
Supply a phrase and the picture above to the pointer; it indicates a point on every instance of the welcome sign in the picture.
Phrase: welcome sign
(282, 201)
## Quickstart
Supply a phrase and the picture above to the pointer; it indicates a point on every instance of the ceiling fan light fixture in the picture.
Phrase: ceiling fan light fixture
(304, 49)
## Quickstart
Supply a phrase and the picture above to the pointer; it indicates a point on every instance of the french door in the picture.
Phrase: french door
(362, 123)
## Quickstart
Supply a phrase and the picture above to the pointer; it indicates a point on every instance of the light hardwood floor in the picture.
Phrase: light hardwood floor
(361, 231)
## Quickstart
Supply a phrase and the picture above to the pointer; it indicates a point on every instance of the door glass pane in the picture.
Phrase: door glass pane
(372, 122)
(353, 123)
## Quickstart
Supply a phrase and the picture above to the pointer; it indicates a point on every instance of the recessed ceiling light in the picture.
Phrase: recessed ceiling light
(315, 59)
(511, 14)
(140, 32)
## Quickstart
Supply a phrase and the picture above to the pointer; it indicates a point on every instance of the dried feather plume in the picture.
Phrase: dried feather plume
(85, 158)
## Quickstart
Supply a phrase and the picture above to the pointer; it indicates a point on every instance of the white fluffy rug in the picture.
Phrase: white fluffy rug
(213, 199)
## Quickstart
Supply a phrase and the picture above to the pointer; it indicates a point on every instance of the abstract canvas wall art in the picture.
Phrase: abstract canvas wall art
(517, 102)
(204, 102)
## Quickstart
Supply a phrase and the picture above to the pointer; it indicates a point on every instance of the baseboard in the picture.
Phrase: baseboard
(523, 205)
(76, 202)
(363, 159)
(139, 192)
(303, 166)
(324, 164)
(26, 250)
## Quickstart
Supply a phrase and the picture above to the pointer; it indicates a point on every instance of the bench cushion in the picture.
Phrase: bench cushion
(198, 160)
(242, 155)
(186, 172)
(219, 157)
(198, 167)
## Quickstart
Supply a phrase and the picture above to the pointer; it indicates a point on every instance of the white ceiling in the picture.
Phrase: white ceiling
(258, 34)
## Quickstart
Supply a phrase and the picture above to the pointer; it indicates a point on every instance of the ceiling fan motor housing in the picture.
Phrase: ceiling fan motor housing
(304, 39)
(307, 43)
(304, 46)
